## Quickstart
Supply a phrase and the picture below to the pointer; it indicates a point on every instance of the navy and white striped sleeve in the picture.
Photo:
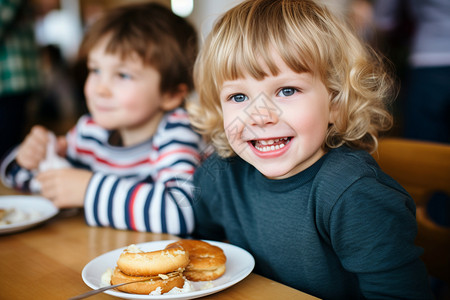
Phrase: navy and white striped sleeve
(162, 202)
(160, 207)
(16, 177)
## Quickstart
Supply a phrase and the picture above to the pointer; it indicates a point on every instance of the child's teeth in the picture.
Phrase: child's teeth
(269, 142)
(268, 145)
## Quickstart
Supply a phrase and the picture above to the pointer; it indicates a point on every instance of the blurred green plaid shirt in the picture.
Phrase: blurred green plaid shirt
(19, 53)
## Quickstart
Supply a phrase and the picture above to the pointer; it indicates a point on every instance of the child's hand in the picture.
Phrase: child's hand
(33, 149)
(61, 146)
(65, 187)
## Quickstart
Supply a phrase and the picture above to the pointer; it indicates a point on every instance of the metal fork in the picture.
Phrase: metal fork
(100, 290)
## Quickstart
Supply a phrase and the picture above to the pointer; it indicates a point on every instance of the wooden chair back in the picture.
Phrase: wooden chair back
(422, 168)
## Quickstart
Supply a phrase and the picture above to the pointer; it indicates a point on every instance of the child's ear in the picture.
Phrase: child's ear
(334, 112)
(174, 99)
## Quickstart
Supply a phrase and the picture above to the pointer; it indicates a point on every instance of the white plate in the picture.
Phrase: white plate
(27, 204)
(239, 264)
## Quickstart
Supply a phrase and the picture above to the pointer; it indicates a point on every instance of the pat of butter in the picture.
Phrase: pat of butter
(156, 292)
(106, 278)
(133, 249)
(187, 287)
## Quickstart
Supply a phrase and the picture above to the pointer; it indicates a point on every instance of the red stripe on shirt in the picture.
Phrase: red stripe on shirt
(145, 161)
(169, 153)
(106, 162)
(159, 175)
(131, 205)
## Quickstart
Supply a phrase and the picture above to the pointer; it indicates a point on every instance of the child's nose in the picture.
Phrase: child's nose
(263, 111)
(103, 88)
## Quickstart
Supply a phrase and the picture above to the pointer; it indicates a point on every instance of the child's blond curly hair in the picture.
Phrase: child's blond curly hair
(309, 39)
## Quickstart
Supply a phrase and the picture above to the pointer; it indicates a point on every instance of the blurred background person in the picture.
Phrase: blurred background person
(58, 99)
(425, 39)
(19, 70)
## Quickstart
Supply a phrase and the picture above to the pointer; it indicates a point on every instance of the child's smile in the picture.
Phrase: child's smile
(270, 145)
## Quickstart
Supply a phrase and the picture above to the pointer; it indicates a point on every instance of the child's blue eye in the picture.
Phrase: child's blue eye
(124, 76)
(93, 70)
(286, 92)
(238, 98)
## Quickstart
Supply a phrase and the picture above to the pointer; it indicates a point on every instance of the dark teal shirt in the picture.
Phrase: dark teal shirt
(341, 229)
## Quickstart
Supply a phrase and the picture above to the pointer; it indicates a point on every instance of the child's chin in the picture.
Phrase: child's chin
(106, 124)
(274, 173)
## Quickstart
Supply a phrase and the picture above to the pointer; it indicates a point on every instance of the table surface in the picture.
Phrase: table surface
(45, 262)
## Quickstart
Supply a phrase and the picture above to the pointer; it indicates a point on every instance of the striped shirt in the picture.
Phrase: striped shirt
(146, 187)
